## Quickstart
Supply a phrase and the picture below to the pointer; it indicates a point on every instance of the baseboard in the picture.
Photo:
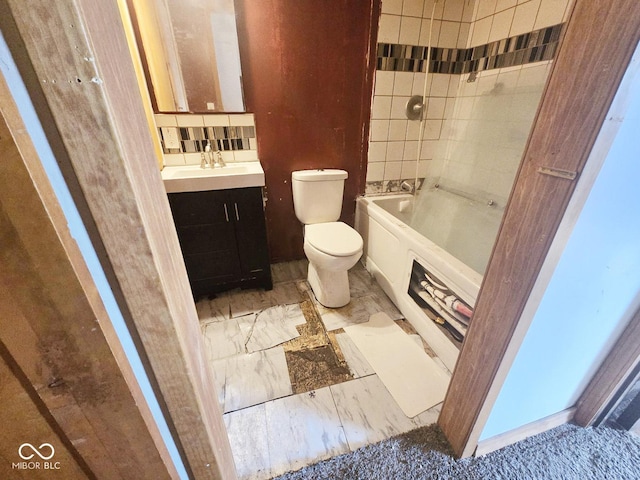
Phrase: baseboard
(525, 431)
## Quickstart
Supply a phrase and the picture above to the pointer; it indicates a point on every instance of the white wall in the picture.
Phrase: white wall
(593, 291)
(79, 233)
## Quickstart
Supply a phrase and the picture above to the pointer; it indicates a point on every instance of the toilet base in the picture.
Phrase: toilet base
(330, 288)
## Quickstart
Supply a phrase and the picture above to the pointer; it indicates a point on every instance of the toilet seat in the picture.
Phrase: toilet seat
(334, 238)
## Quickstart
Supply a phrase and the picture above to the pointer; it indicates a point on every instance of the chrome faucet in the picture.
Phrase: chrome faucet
(218, 162)
(205, 157)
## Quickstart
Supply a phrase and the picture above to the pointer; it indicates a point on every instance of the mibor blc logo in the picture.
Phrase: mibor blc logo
(32, 456)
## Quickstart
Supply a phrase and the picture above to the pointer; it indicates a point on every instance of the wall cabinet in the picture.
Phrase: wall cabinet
(223, 238)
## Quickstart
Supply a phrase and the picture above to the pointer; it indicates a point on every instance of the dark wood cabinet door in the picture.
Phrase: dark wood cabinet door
(251, 230)
(223, 238)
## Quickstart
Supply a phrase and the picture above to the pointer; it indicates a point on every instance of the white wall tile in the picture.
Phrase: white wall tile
(384, 83)
(418, 84)
(403, 83)
(424, 32)
(379, 130)
(395, 150)
(429, 9)
(189, 120)
(375, 172)
(389, 31)
(467, 13)
(398, 107)
(219, 120)
(241, 156)
(453, 10)
(244, 119)
(449, 32)
(436, 107)
(410, 149)
(439, 85)
(392, 170)
(504, 4)
(412, 8)
(463, 36)
(480, 31)
(397, 130)
(485, 8)
(501, 25)
(428, 149)
(551, 12)
(377, 151)
(410, 30)
(392, 6)
(165, 120)
(173, 159)
(423, 166)
(524, 18)
(408, 169)
(381, 107)
(192, 158)
(432, 129)
(413, 130)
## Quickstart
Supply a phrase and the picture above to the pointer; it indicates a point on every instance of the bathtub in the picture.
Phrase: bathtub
(391, 247)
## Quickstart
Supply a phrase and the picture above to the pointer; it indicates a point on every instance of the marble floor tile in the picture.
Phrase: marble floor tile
(246, 302)
(223, 339)
(303, 429)
(361, 283)
(255, 378)
(247, 431)
(214, 310)
(219, 368)
(358, 310)
(273, 326)
(358, 365)
(369, 413)
(286, 294)
(289, 271)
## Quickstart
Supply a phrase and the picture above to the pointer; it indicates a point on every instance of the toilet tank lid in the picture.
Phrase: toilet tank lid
(319, 175)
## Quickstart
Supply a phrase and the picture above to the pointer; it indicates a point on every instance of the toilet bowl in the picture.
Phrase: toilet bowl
(332, 248)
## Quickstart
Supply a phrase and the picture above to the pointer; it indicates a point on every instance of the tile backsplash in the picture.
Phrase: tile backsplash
(185, 136)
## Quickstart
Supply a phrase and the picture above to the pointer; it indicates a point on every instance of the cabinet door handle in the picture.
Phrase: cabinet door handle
(226, 214)
(235, 205)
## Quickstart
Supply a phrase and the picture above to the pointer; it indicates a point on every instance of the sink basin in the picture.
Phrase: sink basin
(192, 178)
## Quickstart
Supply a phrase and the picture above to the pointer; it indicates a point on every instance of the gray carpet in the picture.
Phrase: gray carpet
(566, 452)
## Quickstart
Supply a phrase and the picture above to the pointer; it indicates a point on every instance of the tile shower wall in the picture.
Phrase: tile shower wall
(234, 135)
(393, 146)
(469, 35)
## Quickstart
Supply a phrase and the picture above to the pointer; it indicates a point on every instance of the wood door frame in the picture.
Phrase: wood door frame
(592, 59)
(74, 60)
(56, 337)
(109, 162)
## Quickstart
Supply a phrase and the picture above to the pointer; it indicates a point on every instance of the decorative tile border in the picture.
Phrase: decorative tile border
(531, 47)
(194, 139)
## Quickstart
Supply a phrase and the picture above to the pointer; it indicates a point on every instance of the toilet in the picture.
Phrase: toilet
(332, 247)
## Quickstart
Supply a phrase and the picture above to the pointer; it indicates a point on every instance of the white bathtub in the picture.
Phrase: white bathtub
(390, 249)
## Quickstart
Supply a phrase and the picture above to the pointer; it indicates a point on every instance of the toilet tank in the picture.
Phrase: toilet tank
(317, 194)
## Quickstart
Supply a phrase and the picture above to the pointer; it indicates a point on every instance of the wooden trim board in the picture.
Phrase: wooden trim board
(75, 62)
(499, 441)
(623, 358)
(577, 97)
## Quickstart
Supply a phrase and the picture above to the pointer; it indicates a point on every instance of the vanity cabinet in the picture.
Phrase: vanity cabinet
(223, 238)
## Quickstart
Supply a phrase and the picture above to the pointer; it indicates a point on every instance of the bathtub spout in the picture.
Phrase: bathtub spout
(407, 186)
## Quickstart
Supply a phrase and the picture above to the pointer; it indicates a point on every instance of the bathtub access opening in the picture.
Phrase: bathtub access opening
(439, 303)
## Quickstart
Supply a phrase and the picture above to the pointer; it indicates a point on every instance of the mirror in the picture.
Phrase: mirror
(190, 54)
